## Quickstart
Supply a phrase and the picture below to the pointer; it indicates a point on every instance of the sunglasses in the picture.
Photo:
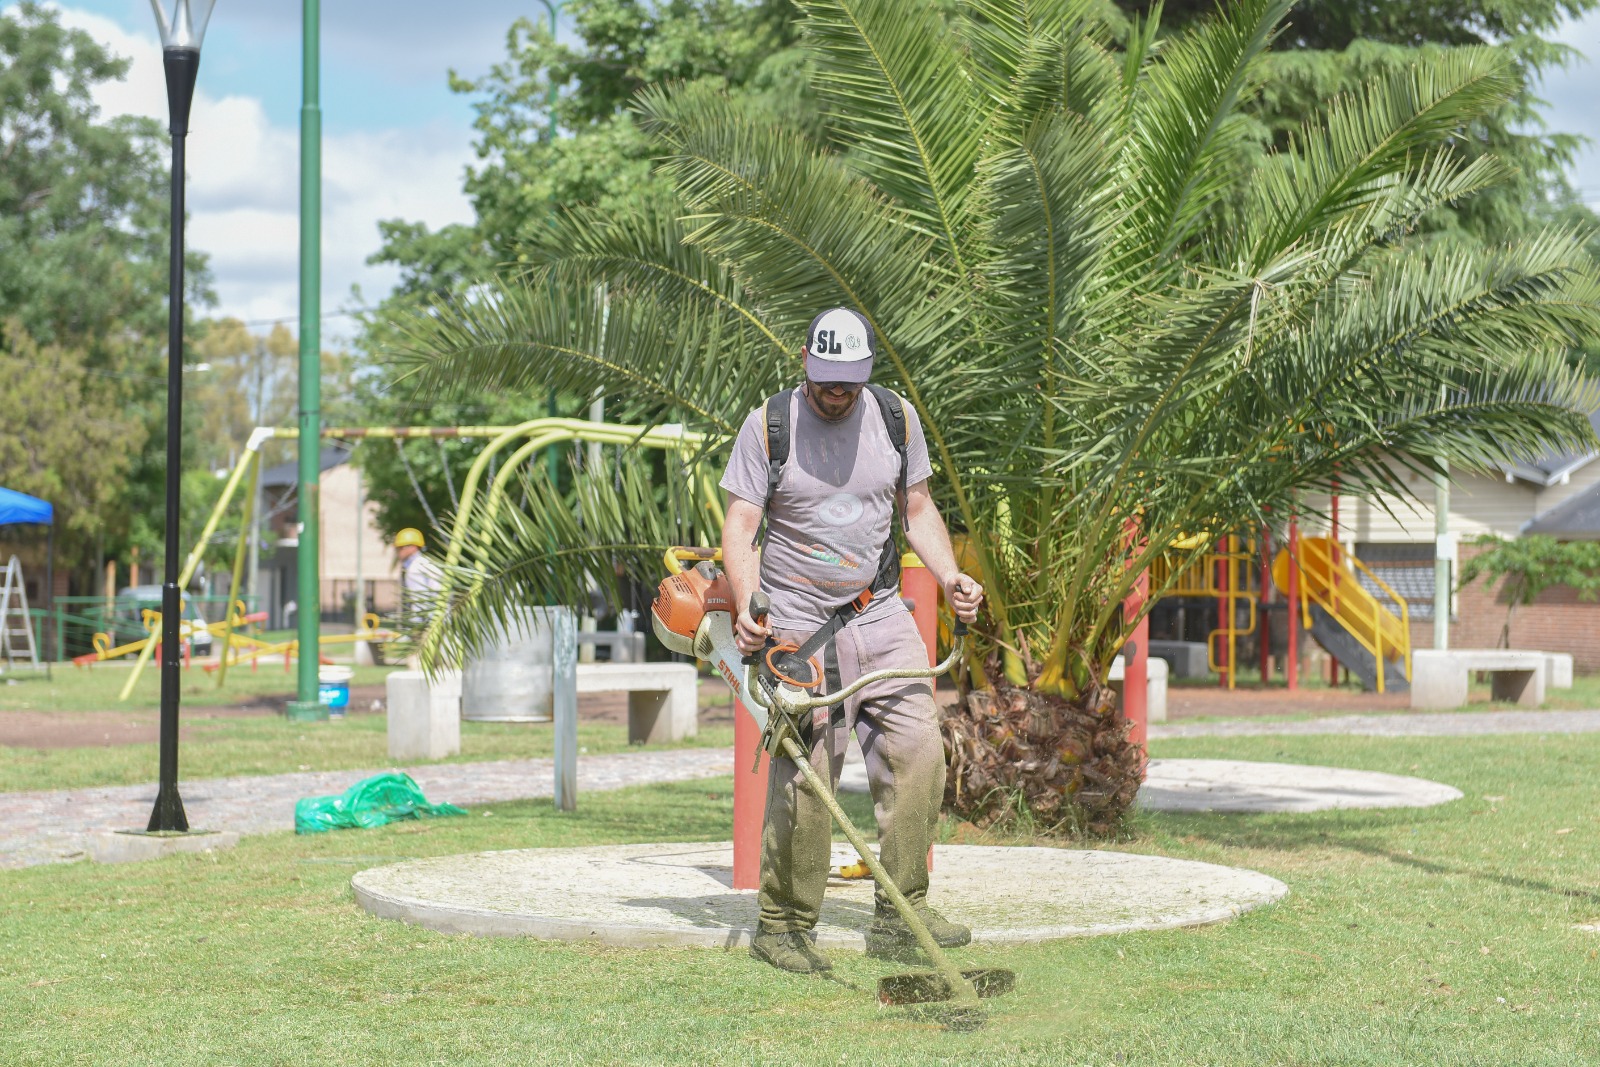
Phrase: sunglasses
(849, 387)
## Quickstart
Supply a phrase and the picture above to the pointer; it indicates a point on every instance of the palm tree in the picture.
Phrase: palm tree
(1120, 319)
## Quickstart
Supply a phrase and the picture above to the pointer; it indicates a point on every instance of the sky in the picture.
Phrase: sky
(396, 140)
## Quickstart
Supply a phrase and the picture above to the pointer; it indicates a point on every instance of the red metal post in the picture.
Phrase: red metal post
(1333, 572)
(749, 800)
(1263, 627)
(1221, 579)
(1291, 656)
(1136, 668)
(917, 585)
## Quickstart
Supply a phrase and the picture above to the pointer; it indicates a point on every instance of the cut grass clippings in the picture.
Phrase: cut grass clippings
(1433, 936)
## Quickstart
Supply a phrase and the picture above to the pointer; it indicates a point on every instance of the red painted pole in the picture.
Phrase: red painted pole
(1291, 656)
(1333, 572)
(1220, 574)
(917, 585)
(1136, 669)
(1263, 630)
(749, 800)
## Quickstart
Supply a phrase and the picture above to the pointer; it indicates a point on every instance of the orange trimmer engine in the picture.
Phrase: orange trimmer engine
(683, 601)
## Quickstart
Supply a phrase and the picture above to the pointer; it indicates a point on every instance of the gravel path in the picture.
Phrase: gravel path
(50, 827)
(1438, 724)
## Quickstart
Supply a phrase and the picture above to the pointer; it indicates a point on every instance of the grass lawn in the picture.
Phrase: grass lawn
(228, 745)
(1439, 936)
(70, 688)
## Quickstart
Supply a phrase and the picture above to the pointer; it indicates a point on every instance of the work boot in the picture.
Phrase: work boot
(890, 938)
(789, 950)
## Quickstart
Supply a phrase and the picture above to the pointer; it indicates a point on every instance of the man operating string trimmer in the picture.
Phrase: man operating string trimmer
(828, 473)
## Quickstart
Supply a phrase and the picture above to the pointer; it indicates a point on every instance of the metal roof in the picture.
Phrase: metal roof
(285, 474)
(1553, 467)
(1577, 519)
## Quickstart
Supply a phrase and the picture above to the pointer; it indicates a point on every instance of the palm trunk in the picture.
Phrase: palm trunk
(1055, 765)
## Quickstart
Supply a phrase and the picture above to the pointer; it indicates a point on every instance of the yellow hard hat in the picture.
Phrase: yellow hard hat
(409, 536)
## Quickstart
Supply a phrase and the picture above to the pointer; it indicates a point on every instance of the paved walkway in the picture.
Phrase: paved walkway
(1434, 724)
(50, 827)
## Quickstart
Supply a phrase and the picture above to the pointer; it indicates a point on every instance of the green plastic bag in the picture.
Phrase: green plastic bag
(375, 801)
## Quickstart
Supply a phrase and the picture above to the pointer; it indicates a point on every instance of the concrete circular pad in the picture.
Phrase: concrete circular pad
(679, 894)
(1222, 785)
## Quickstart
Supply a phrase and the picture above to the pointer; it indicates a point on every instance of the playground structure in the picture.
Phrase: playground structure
(1328, 593)
(536, 435)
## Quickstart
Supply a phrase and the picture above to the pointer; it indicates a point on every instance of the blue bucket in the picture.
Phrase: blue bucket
(333, 687)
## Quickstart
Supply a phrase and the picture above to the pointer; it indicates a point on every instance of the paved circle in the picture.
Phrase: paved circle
(679, 894)
(1223, 785)
(1239, 786)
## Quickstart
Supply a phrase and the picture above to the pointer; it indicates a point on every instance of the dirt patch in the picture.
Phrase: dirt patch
(103, 729)
(1193, 702)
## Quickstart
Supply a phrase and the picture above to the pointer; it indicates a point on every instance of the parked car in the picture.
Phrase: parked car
(128, 618)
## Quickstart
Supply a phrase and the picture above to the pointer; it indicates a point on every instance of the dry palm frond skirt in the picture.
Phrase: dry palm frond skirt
(1016, 756)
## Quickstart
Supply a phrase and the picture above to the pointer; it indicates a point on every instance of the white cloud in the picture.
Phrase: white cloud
(244, 186)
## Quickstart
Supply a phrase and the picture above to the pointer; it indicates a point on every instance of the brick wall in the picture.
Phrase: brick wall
(1557, 622)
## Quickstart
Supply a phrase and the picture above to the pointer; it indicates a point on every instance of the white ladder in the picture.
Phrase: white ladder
(16, 625)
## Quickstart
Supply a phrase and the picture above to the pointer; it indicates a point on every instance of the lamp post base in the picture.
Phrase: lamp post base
(307, 711)
(134, 846)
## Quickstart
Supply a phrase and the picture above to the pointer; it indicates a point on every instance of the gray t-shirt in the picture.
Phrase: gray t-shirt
(833, 510)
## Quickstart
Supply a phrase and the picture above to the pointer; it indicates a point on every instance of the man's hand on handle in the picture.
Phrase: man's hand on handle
(750, 635)
(965, 596)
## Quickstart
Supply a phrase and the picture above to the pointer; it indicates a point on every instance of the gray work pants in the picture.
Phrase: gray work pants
(897, 724)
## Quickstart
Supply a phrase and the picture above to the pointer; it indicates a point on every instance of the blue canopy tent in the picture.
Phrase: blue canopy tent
(20, 509)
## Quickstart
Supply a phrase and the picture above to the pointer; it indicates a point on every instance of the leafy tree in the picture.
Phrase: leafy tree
(83, 243)
(1112, 333)
(1526, 567)
(67, 438)
(83, 202)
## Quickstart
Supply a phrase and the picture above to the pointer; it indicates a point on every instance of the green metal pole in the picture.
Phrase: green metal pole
(551, 460)
(308, 616)
(1443, 552)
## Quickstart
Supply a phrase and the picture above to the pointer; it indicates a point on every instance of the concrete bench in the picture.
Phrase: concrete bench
(1185, 659)
(1156, 686)
(625, 647)
(1557, 670)
(424, 718)
(1439, 678)
(663, 698)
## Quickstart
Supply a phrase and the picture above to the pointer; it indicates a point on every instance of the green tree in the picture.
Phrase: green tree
(1113, 333)
(83, 202)
(67, 438)
(1526, 567)
(83, 264)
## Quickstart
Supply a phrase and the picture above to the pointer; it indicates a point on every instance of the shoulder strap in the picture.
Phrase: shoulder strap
(777, 443)
(894, 419)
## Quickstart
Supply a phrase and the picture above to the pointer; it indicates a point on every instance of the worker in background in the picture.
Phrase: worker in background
(419, 576)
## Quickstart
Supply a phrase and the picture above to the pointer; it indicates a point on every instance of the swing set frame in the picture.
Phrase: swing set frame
(539, 434)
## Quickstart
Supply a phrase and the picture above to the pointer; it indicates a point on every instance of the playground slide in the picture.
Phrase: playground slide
(1368, 635)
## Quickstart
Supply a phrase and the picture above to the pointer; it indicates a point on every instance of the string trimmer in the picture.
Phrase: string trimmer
(693, 614)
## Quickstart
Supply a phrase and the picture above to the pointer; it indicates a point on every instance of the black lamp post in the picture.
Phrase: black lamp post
(181, 33)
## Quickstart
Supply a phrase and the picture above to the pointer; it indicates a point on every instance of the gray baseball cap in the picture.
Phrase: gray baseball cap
(839, 347)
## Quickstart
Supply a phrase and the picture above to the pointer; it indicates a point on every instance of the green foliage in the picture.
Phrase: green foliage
(1095, 312)
(67, 437)
(83, 202)
(1336, 24)
(83, 272)
(1526, 567)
